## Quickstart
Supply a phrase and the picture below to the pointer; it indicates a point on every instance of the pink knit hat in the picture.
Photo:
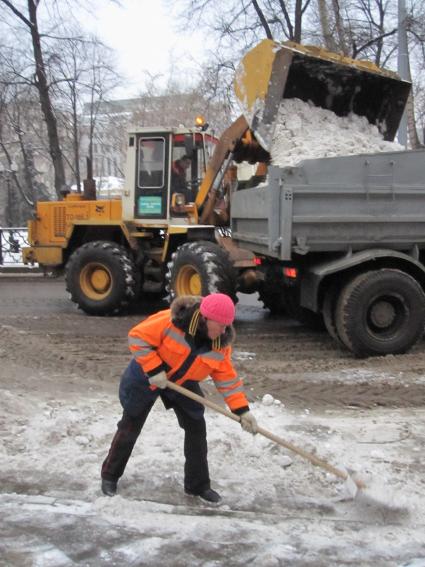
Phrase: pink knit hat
(218, 307)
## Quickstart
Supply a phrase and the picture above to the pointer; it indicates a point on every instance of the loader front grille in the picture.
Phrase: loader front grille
(59, 221)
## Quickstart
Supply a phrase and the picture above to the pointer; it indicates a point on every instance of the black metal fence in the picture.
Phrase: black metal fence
(12, 240)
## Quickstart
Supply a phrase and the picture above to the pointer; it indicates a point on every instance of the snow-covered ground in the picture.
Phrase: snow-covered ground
(277, 508)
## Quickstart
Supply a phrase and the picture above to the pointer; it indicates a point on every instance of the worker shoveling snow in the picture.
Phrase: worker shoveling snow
(304, 131)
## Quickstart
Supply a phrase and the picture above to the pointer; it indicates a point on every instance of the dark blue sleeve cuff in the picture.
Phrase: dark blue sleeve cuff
(241, 411)
(157, 370)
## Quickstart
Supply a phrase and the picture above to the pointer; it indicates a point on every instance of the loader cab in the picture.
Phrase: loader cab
(157, 157)
(190, 154)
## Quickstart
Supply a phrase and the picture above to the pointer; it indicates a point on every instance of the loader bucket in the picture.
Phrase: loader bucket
(272, 71)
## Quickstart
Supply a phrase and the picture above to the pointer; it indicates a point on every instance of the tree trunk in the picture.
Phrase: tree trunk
(339, 24)
(298, 20)
(263, 19)
(324, 24)
(4, 203)
(46, 105)
(412, 131)
(28, 172)
(76, 143)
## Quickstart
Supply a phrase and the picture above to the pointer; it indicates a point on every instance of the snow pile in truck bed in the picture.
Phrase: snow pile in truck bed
(304, 131)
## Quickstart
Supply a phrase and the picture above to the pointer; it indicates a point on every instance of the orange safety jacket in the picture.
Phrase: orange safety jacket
(157, 345)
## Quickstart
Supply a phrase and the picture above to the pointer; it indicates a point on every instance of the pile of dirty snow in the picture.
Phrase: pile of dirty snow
(304, 131)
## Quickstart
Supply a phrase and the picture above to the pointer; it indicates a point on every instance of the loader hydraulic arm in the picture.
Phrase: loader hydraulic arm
(224, 147)
(237, 143)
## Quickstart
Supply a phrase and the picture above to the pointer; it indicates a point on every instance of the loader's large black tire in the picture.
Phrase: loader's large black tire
(101, 278)
(272, 290)
(200, 268)
(380, 312)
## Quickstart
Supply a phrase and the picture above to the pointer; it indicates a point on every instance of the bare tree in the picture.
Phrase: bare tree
(236, 26)
(70, 69)
(18, 176)
(41, 82)
(340, 27)
(328, 38)
(371, 27)
(99, 80)
(244, 22)
(84, 73)
(415, 29)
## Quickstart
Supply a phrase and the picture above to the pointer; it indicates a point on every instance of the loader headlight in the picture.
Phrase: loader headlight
(200, 122)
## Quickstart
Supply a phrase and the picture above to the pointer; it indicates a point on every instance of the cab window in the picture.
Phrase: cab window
(151, 163)
(188, 169)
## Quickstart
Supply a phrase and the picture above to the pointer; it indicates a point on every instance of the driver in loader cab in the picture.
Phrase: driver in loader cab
(179, 182)
(184, 344)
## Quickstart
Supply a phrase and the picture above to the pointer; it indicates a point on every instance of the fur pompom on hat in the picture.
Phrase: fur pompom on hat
(218, 307)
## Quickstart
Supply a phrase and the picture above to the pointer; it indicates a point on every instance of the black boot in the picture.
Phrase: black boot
(209, 495)
(109, 487)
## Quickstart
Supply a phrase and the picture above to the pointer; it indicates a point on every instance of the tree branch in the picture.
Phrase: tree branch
(358, 50)
(287, 19)
(304, 8)
(263, 20)
(17, 13)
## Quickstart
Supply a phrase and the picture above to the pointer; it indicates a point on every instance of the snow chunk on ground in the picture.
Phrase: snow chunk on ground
(304, 131)
(268, 399)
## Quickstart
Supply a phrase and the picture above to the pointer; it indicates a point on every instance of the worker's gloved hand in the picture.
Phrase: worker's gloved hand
(159, 380)
(248, 422)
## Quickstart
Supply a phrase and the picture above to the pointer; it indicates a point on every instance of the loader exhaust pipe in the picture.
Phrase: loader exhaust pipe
(89, 184)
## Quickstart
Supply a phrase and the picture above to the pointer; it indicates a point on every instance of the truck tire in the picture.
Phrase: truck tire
(200, 268)
(329, 314)
(380, 312)
(101, 278)
(272, 291)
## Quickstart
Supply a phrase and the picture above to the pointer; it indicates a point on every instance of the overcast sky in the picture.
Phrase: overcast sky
(144, 35)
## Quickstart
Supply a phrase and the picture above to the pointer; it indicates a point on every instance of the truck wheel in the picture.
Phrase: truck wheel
(381, 312)
(329, 314)
(200, 268)
(272, 291)
(101, 278)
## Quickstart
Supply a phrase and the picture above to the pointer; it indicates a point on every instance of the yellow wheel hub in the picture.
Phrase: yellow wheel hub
(95, 281)
(188, 282)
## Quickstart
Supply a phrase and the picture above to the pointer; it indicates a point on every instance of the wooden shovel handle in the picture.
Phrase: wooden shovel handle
(301, 452)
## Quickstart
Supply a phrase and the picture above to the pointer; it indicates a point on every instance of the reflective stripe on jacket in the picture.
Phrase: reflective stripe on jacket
(158, 345)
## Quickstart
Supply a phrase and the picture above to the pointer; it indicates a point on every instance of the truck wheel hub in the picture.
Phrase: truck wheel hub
(382, 314)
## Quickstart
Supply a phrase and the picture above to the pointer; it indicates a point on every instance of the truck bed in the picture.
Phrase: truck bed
(335, 204)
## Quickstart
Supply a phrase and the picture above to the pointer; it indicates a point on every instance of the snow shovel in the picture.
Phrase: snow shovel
(352, 484)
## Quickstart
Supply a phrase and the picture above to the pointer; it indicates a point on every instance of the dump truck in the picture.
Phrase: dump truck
(155, 240)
